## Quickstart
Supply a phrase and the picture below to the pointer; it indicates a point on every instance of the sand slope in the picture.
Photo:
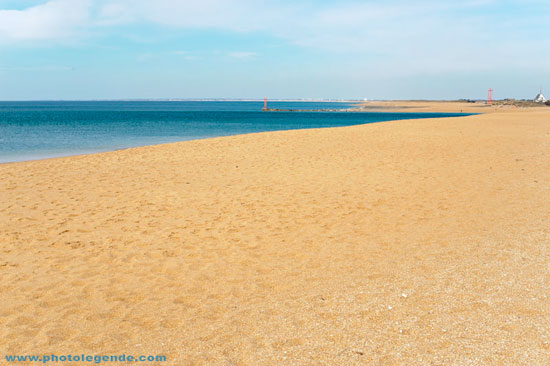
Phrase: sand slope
(401, 243)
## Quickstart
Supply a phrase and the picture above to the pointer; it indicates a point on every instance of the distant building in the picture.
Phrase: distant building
(540, 98)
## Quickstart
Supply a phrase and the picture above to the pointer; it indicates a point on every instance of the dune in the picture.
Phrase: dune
(415, 242)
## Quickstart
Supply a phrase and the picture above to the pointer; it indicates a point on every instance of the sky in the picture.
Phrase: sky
(393, 49)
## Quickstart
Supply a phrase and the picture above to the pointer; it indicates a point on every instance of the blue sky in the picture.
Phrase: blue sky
(112, 49)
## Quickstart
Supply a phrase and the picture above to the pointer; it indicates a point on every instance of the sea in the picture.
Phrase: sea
(33, 130)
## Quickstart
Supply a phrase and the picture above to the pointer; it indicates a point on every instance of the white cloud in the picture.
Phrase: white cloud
(52, 20)
(235, 15)
(145, 57)
(113, 13)
(187, 55)
(243, 55)
(425, 34)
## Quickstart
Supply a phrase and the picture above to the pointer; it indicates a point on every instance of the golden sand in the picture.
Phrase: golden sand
(418, 242)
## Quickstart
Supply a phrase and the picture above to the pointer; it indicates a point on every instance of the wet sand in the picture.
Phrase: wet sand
(417, 242)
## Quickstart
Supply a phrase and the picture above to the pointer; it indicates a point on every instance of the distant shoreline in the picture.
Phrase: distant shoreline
(190, 100)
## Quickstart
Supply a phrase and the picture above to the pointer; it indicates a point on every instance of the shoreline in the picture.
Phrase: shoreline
(452, 106)
(351, 110)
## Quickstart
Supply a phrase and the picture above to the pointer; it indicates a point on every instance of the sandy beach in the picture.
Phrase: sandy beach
(416, 242)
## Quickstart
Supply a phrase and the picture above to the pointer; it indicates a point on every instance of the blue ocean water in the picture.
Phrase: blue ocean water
(37, 130)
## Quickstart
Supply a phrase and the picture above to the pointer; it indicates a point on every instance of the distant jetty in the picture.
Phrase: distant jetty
(266, 109)
(309, 110)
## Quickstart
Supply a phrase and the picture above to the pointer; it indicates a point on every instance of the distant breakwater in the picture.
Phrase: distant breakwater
(352, 109)
(310, 110)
